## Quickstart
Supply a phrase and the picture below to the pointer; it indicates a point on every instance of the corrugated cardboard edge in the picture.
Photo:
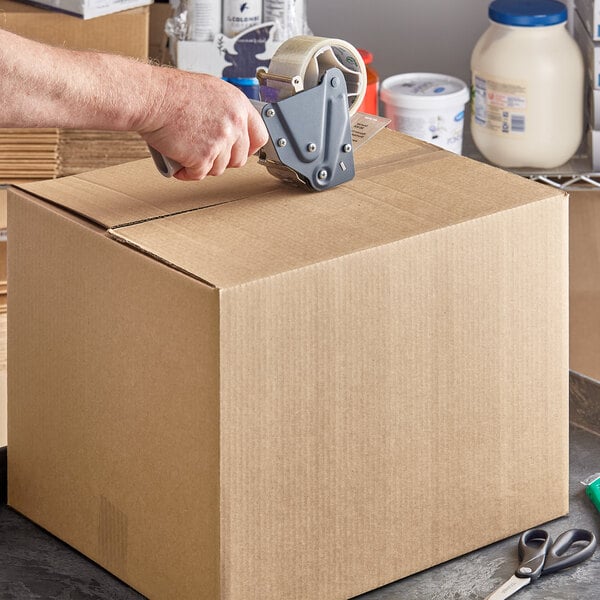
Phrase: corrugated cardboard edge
(90, 195)
(97, 222)
(111, 233)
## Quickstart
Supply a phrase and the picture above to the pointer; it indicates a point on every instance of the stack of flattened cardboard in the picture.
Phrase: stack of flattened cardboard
(82, 150)
(28, 154)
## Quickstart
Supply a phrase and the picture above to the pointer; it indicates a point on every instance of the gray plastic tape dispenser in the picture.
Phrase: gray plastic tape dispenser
(308, 94)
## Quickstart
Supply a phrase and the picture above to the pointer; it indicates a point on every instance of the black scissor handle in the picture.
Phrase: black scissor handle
(533, 547)
(557, 559)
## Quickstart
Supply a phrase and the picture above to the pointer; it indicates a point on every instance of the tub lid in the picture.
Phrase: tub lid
(424, 91)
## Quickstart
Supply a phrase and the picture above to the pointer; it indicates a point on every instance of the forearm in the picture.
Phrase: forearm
(44, 86)
(196, 119)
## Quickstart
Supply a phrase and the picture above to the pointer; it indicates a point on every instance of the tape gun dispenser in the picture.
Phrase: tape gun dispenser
(308, 94)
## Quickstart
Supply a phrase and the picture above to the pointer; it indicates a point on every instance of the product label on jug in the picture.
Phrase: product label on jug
(499, 106)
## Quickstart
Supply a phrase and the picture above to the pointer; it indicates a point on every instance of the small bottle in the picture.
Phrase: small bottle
(527, 86)
(276, 11)
(370, 103)
(239, 15)
(204, 20)
(299, 23)
(289, 17)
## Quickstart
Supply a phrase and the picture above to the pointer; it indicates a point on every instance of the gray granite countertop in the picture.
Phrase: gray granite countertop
(35, 565)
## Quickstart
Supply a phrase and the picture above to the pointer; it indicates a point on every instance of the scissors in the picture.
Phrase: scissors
(539, 556)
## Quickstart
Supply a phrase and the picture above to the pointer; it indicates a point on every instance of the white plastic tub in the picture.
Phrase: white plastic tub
(427, 106)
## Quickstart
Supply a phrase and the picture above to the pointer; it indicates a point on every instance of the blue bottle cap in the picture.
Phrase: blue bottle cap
(528, 13)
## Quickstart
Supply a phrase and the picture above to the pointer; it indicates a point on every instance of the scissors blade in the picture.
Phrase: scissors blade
(507, 589)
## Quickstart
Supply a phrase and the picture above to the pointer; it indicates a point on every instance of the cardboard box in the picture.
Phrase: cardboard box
(125, 33)
(3, 275)
(589, 11)
(239, 390)
(159, 13)
(584, 302)
(3, 219)
(3, 254)
(3, 396)
(89, 9)
(585, 283)
(589, 50)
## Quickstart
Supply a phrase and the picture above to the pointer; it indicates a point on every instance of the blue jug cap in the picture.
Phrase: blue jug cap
(528, 13)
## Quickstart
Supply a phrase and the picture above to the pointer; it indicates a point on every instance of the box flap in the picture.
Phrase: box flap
(135, 191)
(403, 188)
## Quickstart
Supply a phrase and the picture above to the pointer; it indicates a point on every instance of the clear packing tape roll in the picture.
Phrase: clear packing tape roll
(300, 62)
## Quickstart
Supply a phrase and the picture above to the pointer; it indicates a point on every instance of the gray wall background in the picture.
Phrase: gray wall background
(435, 36)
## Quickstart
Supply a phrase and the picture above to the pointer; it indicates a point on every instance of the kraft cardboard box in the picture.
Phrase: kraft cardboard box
(159, 13)
(89, 9)
(3, 220)
(124, 33)
(239, 390)
(585, 284)
(3, 274)
(584, 302)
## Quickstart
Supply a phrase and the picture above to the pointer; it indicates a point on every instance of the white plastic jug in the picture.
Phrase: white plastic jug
(528, 86)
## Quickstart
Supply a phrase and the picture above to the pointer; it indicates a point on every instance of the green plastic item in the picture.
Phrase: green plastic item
(592, 489)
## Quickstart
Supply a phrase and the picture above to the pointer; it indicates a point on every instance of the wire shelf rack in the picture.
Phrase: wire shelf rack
(575, 175)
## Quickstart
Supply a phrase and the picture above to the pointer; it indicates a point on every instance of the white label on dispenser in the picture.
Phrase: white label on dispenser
(500, 106)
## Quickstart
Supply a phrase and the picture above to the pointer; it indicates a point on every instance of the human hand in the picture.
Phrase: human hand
(202, 122)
